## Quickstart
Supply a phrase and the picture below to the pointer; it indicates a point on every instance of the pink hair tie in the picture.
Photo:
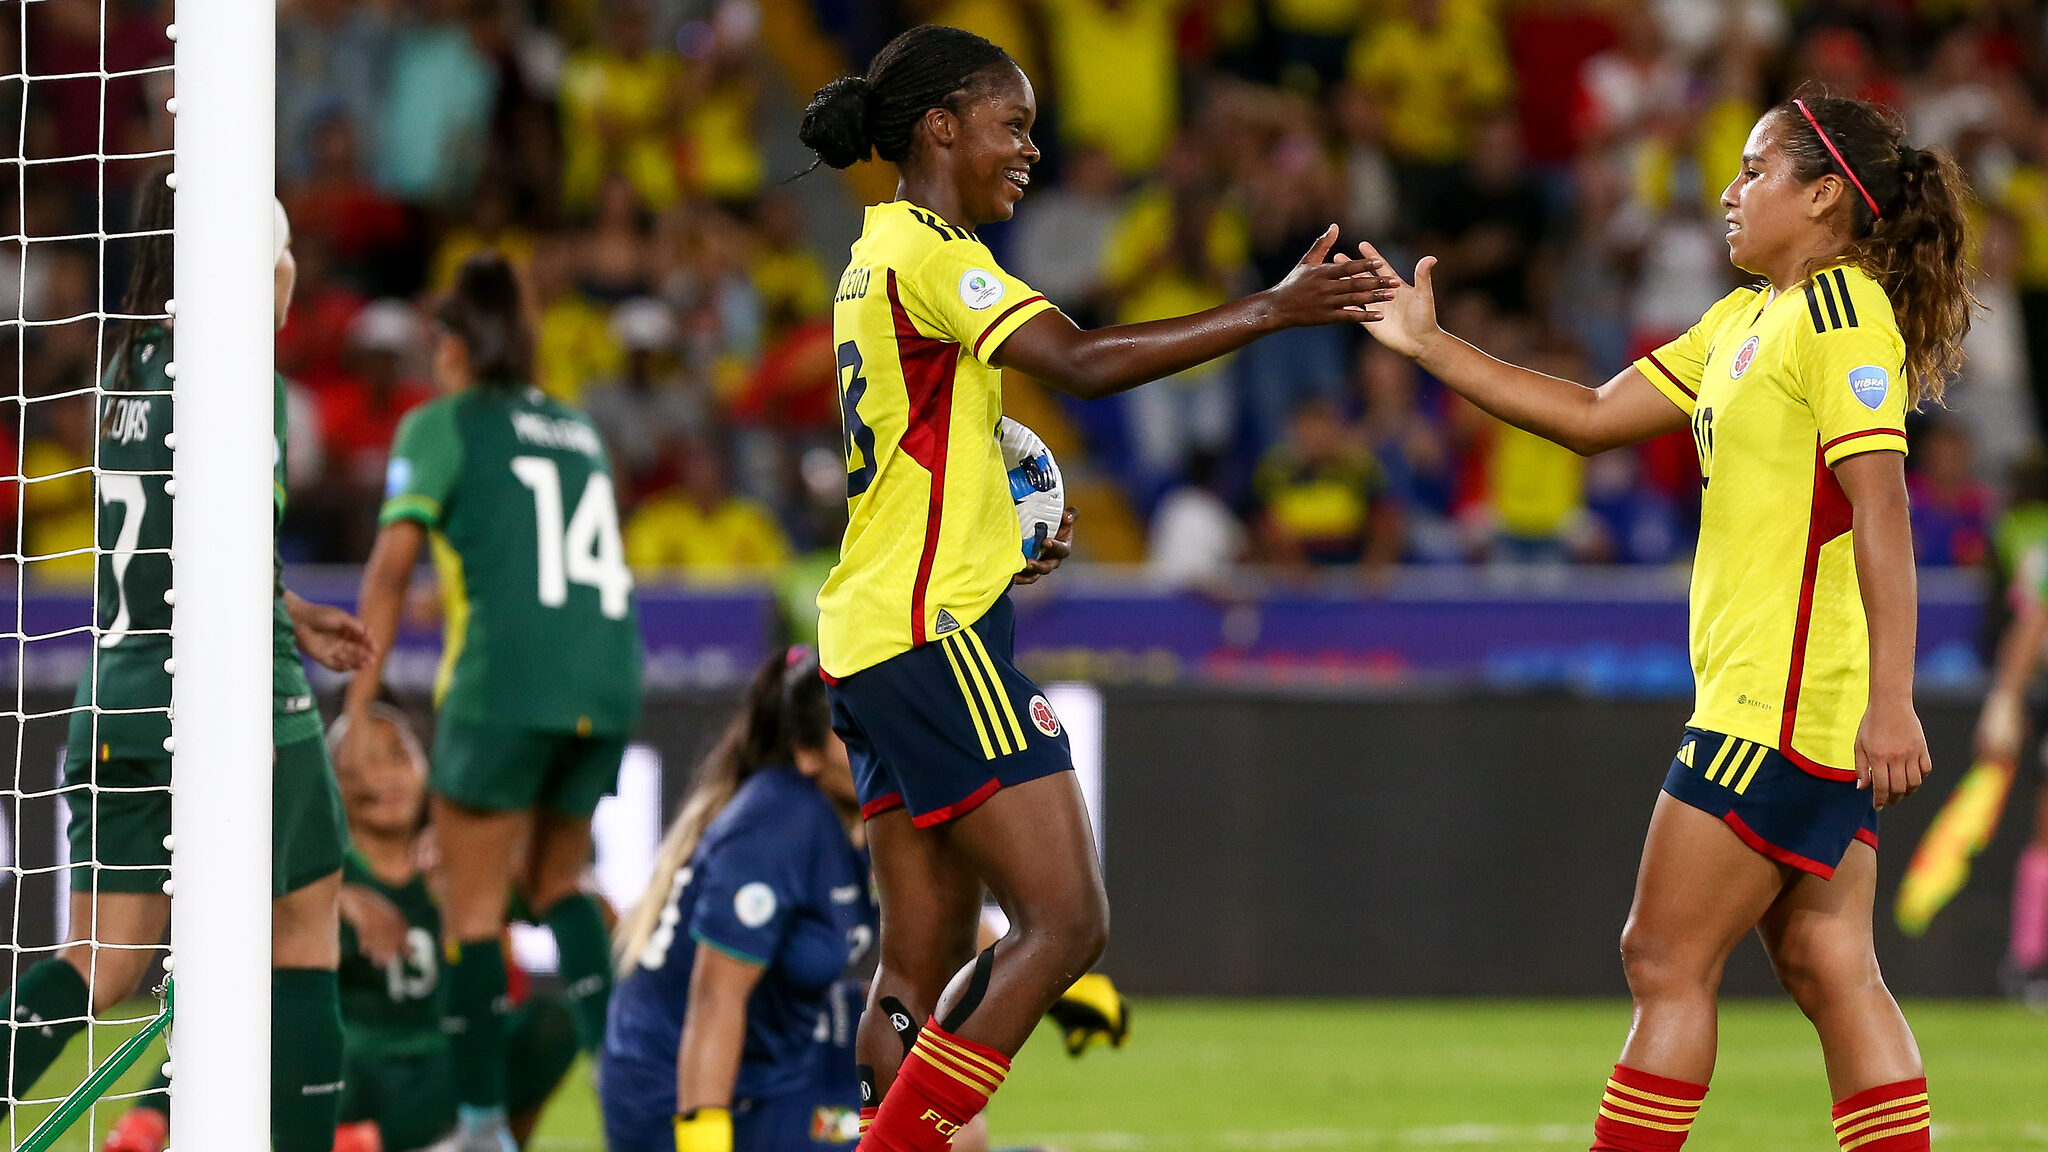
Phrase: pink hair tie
(1875, 214)
(796, 655)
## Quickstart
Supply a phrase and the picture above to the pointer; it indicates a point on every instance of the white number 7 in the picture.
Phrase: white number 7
(588, 551)
(127, 492)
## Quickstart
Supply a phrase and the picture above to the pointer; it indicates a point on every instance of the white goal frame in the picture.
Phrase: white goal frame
(222, 551)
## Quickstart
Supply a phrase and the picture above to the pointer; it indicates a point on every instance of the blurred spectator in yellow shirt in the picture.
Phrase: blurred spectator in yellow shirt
(700, 529)
(1118, 76)
(573, 343)
(1178, 249)
(790, 280)
(719, 159)
(491, 225)
(1536, 490)
(57, 509)
(622, 102)
(1319, 496)
(1435, 64)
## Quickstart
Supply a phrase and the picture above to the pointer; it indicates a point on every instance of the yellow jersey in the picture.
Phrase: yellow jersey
(931, 535)
(1779, 392)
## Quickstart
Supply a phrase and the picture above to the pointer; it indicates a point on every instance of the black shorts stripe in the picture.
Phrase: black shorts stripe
(1848, 306)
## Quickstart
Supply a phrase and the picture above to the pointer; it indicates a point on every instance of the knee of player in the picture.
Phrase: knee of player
(1659, 962)
(1072, 931)
(1819, 973)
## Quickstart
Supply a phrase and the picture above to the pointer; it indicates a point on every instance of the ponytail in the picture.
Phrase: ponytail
(149, 279)
(1907, 231)
(784, 708)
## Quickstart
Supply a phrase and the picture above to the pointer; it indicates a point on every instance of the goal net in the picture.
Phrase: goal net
(103, 546)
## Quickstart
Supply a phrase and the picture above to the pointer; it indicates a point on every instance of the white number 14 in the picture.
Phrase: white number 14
(588, 551)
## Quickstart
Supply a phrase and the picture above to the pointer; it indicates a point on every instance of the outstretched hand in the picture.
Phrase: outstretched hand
(1318, 290)
(1407, 321)
(330, 635)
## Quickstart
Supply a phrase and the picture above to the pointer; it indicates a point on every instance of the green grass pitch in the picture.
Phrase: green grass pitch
(1334, 1076)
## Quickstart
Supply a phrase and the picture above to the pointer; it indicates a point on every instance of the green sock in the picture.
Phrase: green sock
(586, 965)
(305, 1059)
(49, 1006)
(476, 1021)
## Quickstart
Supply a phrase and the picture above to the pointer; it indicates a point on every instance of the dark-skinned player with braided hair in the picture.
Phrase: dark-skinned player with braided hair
(1804, 607)
(962, 767)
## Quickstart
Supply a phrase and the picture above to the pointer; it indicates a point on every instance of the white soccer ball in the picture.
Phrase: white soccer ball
(1035, 485)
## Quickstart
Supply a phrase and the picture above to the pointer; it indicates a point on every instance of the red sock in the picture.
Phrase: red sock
(942, 1084)
(1887, 1118)
(1645, 1113)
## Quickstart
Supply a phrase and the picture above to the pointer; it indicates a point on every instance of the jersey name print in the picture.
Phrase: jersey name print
(515, 491)
(1779, 391)
(931, 531)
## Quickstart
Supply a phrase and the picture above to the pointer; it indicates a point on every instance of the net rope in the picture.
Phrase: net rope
(56, 483)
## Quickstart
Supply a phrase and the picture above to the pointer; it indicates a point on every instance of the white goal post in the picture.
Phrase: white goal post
(226, 73)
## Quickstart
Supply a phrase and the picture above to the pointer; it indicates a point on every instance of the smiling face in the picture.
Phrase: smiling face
(384, 789)
(1775, 220)
(987, 144)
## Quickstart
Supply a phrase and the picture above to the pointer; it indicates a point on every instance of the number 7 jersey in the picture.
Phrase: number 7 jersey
(931, 536)
(540, 628)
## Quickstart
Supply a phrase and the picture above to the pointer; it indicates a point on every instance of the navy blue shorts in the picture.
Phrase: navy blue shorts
(1777, 808)
(940, 728)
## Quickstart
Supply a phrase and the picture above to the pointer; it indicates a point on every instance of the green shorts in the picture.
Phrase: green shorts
(411, 1093)
(506, 769)
(117, 828)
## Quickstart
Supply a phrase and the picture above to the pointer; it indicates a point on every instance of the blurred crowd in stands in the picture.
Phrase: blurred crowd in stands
(1564, 158)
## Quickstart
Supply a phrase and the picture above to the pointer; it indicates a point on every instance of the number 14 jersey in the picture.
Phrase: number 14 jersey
(515, 491)
(931, 536)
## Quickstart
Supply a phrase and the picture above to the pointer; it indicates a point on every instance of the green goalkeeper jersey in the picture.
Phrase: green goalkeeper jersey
(515, 489)
(126, 679)
(395, 1007)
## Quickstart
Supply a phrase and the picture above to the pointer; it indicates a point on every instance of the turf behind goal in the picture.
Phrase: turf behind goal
(88, 86)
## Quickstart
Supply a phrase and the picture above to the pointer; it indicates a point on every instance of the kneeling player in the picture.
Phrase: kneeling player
(400, 1069)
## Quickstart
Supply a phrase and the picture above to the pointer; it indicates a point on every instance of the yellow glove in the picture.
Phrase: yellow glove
(704, 1130)
(1960, 830)
(1091, 1012)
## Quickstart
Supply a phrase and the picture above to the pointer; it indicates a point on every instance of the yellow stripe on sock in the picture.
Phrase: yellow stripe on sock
(1618, 1086)
(1755, 763)
(995, 681)
(1845, 1131)
(1620, 1119)
(1901, 1130)
(994, 1070)
(953, 1067)
(982, 689)
(960, 674)
(1860, 1113)
(1619, 1101)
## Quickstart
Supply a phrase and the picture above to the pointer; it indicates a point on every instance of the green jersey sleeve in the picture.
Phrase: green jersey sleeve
(426, 459)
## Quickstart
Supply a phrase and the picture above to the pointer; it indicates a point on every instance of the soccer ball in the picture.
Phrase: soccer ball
(1035, 485)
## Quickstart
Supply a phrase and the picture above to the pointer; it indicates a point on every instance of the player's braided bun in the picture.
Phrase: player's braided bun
(836, 122)
(1915, 248)
(856, 116)
(486, 313)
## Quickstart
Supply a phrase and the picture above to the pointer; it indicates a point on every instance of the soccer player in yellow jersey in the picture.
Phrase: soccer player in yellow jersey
(1803, 599)
(961, 765)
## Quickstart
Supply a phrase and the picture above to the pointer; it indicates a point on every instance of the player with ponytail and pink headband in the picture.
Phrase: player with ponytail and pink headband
(1804, 604)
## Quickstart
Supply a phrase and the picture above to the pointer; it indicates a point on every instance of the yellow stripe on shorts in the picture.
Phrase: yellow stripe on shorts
(1755, 762)
(995, 681)
(967, 693)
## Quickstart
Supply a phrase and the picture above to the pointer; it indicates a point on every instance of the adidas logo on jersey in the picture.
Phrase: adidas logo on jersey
(945, 624)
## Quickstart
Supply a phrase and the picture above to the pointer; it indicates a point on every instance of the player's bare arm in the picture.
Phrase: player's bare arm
(1625, 410)
(2002, 724)
(1891, 750)
(714, 1030)
(1102, 362)
(328, 634)
(381, 603)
